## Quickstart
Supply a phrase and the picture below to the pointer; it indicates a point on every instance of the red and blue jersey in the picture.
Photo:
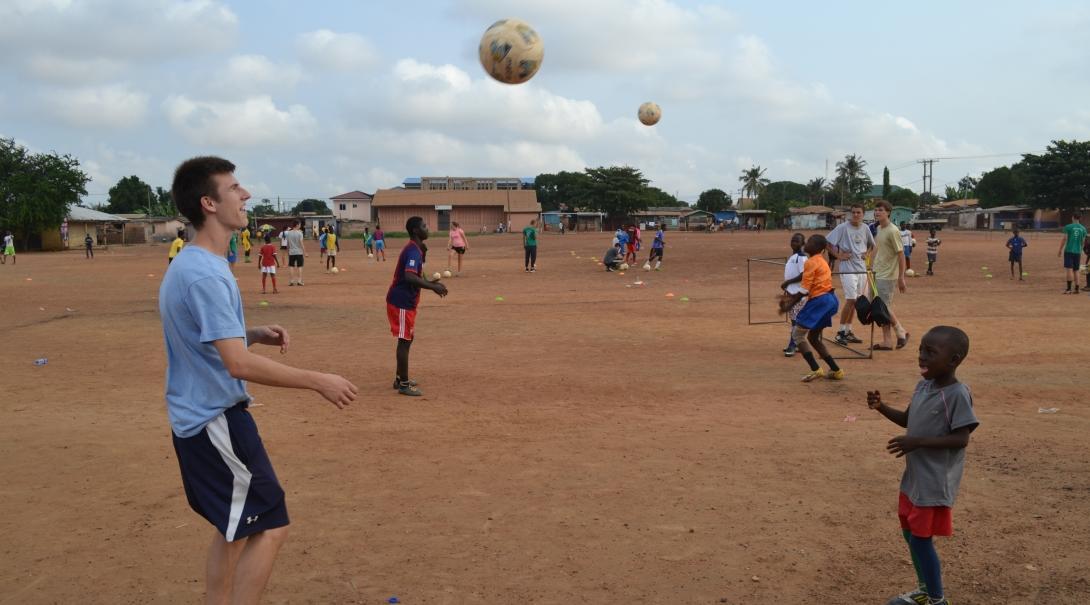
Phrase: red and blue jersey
(402, 294)
(1016, 244)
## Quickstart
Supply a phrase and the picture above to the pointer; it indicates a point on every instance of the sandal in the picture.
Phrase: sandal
(880, 348)
(901, 342)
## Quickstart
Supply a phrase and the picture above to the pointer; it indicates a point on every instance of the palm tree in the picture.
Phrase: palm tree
(753, 181)
(815, 189)
(851, 176)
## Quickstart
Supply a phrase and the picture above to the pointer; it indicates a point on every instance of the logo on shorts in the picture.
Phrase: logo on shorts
(251, 520)
(412, 263)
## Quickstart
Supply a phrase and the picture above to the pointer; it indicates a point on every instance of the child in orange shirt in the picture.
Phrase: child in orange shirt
(821, 306)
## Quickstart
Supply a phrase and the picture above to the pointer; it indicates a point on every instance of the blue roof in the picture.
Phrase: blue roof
(412, 180)
(721, 214)
(527, 180)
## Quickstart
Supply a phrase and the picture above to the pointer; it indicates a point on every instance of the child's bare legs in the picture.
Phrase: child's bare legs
(460, 263)
(263, 276)
(275, 291)
(1020, 271)
(238, 571)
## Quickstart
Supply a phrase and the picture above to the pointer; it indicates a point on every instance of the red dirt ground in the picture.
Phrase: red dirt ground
(579, 441)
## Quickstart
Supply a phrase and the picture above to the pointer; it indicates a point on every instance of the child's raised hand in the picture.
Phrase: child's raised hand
(874, 400)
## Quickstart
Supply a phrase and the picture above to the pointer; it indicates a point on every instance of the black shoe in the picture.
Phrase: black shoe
(789, 352)
(851, 337)
(397, 383)
(841, 339)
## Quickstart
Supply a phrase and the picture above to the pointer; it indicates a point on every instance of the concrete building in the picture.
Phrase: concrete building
(476, 210)
(352, 206)
(468, 183)
(811, 217)
(104, 229)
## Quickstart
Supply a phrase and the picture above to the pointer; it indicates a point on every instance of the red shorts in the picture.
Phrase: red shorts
(925, 521)
(402, 321)
(632, 247)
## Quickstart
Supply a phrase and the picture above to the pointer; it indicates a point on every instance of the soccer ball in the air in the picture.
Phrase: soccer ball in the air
(334, 270)
(624, 266)
(447, 274)
(511, 51)
(649, 113)
(435, 276)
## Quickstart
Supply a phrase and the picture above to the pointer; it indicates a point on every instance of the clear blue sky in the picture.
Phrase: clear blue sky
(312, 100)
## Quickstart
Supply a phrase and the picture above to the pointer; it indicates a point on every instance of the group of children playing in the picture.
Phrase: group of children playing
(938, 420)
(626, 243)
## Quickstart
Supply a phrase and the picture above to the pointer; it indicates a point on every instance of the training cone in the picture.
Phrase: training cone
(669, 295)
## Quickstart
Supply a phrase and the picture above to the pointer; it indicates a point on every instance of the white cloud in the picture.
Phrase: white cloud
(615, 35)
(246, 75)
(112, 106)
(102, 35)
(445, 97)
(252, 122)
(329, 50)
(72, 70)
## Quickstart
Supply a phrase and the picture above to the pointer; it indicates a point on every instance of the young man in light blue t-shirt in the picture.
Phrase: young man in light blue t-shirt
(226, 473)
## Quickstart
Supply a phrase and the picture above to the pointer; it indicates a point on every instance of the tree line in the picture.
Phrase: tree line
(1058, 178)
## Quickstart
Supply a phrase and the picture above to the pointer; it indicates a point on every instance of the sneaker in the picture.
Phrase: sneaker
(299, 283)
(397, 383)
(407, 389)
(533, 269)
(789, 352)
(291, 283)
(853, 338)
(812, 376)
(912, 597)
(841, 339)
(837, 375)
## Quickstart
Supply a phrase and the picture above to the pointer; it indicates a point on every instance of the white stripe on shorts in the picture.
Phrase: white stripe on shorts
(401, 324)
(220, 437)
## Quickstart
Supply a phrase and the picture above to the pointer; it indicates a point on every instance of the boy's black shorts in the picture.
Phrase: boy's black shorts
(228, 478)
(295, 260)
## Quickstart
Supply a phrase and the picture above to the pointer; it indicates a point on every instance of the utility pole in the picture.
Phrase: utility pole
(928, 175)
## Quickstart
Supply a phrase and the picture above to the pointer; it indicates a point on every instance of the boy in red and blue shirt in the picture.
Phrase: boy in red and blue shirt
(1015, 244)
(403, 297)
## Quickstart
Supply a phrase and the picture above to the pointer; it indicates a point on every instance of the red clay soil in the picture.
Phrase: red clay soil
(578, 441)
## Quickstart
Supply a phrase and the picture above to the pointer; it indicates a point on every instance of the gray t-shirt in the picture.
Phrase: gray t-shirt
(932, 476)
(295, 242)
(857, 240)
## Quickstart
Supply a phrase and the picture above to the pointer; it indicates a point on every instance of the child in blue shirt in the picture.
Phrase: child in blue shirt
(1015, 244)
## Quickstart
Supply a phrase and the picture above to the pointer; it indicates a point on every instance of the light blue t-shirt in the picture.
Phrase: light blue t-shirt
(199, 303)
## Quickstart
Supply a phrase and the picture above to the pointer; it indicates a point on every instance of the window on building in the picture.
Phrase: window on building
(343, 206)
(484, 185)
(353, 205)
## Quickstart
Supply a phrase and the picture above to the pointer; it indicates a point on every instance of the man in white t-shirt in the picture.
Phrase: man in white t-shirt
(851, 243)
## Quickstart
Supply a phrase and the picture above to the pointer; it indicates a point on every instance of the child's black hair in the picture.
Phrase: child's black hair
(956, 337)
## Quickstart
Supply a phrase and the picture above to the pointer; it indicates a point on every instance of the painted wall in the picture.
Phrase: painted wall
(353, 210)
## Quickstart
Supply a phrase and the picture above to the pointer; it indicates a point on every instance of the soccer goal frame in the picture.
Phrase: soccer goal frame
(780, 261)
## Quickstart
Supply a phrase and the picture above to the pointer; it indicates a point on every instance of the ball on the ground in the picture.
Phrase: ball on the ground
(334, 270)
(370, 255)
(647, 266)
(624, 266)
(511, 51)
(447, 274)
(910, 273)
(436, 276)
(649, 113)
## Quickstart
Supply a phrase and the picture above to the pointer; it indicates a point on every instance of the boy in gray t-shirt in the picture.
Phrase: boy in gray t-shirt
(939, 420)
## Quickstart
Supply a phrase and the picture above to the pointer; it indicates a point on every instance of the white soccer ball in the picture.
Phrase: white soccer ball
(647, 266)
(910, 273)
(624, 266)
(334, 270)
(447, 273)
(435, 276)
(913, 241)
(649, 113)
(370, 255)
(511, 51)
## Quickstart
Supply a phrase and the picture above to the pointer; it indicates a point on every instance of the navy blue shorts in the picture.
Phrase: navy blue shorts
(228, 478)
(818, 312)
(1014, 257)
(1071, 260)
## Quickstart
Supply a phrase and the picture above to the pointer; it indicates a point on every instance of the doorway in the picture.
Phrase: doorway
(444, 220)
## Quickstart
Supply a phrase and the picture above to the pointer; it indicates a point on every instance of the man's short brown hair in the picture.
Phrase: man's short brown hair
(192, 181)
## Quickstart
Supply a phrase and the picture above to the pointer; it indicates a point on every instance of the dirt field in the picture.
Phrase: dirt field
(580, 441)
